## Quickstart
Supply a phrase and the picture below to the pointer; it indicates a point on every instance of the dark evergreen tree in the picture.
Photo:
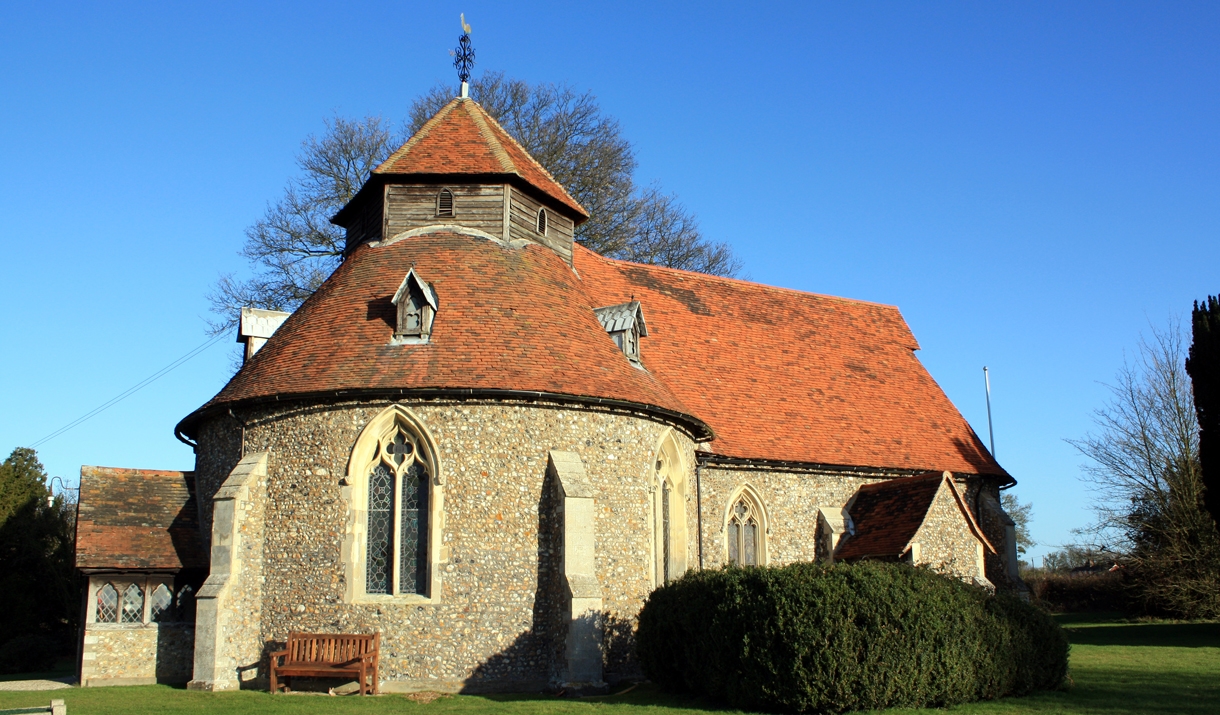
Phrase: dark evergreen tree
(1203, 365)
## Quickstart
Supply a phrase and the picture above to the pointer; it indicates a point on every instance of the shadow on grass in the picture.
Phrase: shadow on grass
(645, 695)
(1178, 635)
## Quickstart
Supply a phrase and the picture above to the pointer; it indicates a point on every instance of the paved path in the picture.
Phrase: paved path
(38, 684)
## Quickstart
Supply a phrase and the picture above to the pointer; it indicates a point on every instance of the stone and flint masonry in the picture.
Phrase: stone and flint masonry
(489, 444)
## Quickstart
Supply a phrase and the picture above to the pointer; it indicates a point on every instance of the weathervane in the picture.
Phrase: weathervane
(463, 57)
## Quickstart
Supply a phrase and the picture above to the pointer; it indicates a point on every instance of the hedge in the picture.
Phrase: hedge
(812, 637)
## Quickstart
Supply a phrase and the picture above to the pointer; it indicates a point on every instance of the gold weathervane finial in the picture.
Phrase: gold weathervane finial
(463, 57)
(465, 27)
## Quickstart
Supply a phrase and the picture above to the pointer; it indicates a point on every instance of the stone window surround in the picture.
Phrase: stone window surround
(355, 493)
(673, 471)
(120, 580)
(750, 493)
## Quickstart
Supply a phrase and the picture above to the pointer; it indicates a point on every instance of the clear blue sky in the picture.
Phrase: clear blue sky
(1031, 183)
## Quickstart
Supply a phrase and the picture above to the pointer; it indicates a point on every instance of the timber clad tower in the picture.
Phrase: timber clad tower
(488, 444)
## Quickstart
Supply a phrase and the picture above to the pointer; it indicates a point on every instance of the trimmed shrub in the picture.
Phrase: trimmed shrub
(811, 637)
(1064, 593)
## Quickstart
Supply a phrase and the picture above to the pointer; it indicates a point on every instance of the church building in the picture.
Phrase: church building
(488, 445)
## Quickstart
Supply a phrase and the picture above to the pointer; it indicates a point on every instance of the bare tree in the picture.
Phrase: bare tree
(294, 246)
(1146, 480)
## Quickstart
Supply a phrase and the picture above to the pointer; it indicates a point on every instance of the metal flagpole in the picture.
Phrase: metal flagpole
(990, 429)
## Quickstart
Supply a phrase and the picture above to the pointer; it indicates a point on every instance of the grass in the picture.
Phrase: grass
(1118, 667)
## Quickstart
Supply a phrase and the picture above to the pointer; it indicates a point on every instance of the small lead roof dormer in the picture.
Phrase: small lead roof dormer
(625, 323)
(417, 305)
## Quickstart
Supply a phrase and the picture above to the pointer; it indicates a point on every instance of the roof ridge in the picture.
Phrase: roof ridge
(727, 279)
(418, 136)
(508, 135)
(497, 147)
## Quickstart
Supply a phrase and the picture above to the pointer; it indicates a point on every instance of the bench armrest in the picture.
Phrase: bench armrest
(278, 654)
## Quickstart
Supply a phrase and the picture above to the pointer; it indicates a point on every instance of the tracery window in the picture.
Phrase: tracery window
(396, 560)
(161, 605)
(133, 604)
(107, 604)
(743, 533)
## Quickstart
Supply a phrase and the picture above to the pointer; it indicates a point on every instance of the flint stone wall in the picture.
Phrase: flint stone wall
(137, 654)
(946, 543)
(497, 622)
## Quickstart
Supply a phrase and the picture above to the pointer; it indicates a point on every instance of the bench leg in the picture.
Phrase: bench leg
(275, 685)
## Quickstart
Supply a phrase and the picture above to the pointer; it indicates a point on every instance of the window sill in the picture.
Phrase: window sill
(406, 599)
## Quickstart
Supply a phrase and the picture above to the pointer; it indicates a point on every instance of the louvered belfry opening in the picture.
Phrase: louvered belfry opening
(444, 203)
(542, 221)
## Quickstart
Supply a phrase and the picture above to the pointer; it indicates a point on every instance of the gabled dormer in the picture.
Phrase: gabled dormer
(625, 323)
(462, 168)
(417, 305)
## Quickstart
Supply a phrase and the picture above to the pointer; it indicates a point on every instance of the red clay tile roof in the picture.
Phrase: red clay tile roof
(887, 514)
(462, 138)
(137, 519)
(509, 319)
(785, 375)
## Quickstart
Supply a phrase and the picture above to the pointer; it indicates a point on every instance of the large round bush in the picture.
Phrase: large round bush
(811, 637)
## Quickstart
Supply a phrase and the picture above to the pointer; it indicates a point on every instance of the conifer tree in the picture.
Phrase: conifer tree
(1203, 365)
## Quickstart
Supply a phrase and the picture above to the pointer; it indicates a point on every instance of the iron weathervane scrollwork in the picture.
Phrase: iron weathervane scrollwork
(463, 56)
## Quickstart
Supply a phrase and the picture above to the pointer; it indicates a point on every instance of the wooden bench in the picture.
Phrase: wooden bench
(327, 655)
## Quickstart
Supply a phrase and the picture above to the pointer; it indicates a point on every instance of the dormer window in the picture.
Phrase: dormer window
(416, 303)
(542, 222)
(444, 203)
(625, 323)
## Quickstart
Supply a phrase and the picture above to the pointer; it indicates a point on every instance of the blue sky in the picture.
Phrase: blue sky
(1033, 184)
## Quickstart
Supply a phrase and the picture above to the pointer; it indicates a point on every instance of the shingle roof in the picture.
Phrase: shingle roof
(462, 138)
(137, 519)
(620, 317)
(887, 514)
(509, 319)
(785, 375)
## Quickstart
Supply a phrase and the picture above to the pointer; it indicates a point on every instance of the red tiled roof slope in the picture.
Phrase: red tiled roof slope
(137, 519)
(790, 376)
(509, 319)
(462, 138)
(886, 516)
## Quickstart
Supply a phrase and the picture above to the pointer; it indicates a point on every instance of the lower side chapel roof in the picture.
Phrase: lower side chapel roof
(764, 373)
(137, 519)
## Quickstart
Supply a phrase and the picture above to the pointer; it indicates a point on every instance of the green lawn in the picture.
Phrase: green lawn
(1117, 667)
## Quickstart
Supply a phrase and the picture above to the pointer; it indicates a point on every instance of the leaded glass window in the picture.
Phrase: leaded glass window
(398, 491)
(161, 604)
(742, 534)
(185, 602)
(380, 529)
(107, 604)
(133, 604)
(413, 541)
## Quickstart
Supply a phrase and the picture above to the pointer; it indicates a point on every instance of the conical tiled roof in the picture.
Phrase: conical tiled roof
(462, 138)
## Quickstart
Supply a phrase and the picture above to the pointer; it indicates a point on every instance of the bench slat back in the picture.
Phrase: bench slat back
(329, 647)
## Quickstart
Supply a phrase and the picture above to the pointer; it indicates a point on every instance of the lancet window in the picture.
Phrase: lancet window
(542, 221)
(161, 604)
(444, 203)
(396, 560)
(668, 495)
(133, 605)
(107, 604)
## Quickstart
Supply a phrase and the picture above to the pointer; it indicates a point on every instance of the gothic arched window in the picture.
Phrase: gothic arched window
(542, 221)
(107, 604)
(133, 605)
(668, 491)
(745, 532)
(161, 605)
(396, 557)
